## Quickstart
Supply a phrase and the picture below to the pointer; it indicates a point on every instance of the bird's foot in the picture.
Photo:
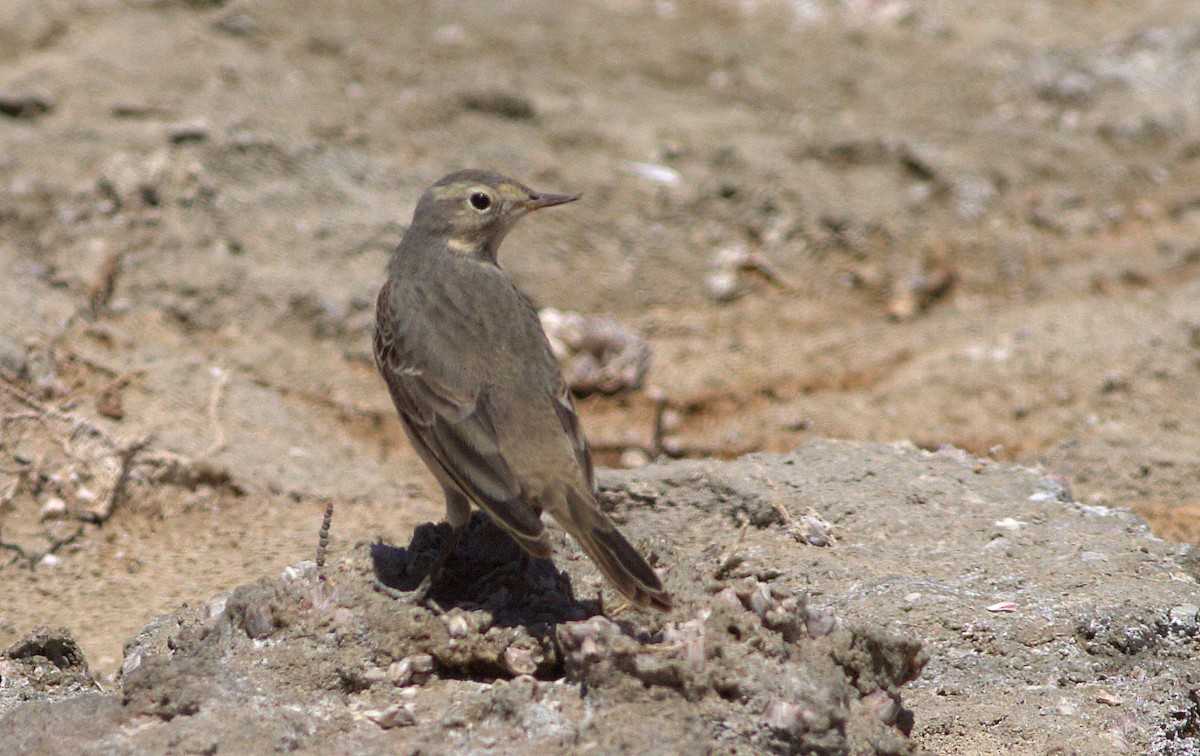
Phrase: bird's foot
(422, 595)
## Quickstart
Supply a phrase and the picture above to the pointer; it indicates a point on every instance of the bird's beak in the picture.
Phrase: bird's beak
(538, 201)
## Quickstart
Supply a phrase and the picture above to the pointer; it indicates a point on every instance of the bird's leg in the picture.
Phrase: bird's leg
(423, 593)
(458, 513)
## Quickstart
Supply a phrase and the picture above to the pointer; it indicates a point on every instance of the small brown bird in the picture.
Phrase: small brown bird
(478, 391)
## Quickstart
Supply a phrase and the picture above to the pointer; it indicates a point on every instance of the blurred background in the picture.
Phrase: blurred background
(955, 223)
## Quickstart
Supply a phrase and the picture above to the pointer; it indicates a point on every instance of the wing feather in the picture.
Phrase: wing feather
(452, 424)
(564, 407)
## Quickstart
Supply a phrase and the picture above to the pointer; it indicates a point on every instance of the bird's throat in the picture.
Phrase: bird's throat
(464, 246)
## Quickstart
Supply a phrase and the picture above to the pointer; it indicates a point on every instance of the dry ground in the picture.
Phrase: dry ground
(940, 222)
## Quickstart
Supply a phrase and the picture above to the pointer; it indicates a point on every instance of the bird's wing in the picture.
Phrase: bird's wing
(564, 407)
(453, 424)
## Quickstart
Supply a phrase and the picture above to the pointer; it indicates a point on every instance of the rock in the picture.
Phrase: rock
(188, 131)
(53, 508)
(597, 354)
(396, 715)
(45, 665)
(509, 105)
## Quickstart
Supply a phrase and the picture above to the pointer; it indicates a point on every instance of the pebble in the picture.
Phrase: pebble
(655, 173)
(634, 458)
(54, 508)
(1008, 523)
(396, 715)
(188, 131)
(722, 285)
(519, 661)
(456, 625)
(1184, 619)
(509, 105)
(259, 621)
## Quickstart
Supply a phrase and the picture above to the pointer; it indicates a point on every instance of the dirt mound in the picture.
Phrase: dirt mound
(929, 582)
(515, 661)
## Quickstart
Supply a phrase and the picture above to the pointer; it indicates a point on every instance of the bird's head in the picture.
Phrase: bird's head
(471, 211)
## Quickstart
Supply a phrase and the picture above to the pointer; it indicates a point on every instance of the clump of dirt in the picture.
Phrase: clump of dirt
(748, 665)
(44, 665)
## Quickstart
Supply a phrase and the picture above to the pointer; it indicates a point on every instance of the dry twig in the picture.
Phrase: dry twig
(126, 455)
(214, 408)
(100, 290)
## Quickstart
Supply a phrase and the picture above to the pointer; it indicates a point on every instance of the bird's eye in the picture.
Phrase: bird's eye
(480, 201)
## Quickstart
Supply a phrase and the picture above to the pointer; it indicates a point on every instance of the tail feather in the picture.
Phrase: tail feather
(623, 565)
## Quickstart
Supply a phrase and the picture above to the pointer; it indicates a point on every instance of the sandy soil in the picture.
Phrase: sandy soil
(901, 220)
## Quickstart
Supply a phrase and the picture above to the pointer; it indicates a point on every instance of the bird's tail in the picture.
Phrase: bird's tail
(617, 559)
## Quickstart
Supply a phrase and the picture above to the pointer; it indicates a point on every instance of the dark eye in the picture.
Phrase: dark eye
(480, 201)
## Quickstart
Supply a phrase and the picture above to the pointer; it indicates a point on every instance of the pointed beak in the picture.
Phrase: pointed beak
(538, 201)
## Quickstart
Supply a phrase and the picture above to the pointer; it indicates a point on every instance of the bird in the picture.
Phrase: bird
(478, 390)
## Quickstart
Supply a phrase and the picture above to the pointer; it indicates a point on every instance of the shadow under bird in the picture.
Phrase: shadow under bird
(477, 388)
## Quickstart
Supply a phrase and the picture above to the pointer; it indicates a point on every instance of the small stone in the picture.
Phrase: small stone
(1184, 619)
(1009, 523)
(885, 705)
(672, 420)
(456, 625)
(374, 675)
(53, 508)
(188, 131)
(400, 673)
(760, 601)
(722, 285)
(728, 599)
(672, 447)
(820, 623)
(508, 105)
(422, 668)
(634, 457)
(786, 716)
(132, 660)
(259, 621)
(50, 560)
(214, 608)
(294, 572)
(1114, 382)
(797, 423)
(656, 173)
(1108, 699)
(396, 715)
(520, 661)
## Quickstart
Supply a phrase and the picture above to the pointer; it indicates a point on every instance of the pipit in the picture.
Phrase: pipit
(477, 388)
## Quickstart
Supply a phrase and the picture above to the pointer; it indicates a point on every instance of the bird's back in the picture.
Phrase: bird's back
(492, 346)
